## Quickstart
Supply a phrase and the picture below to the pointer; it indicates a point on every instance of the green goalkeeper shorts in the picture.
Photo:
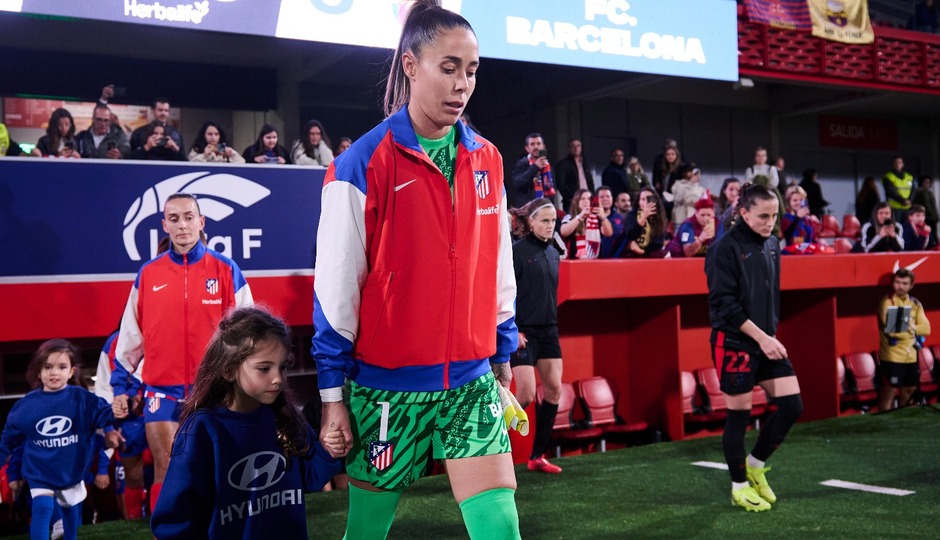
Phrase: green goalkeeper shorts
(397, 433)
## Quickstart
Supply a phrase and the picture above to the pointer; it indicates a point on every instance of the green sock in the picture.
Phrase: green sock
(370, 513)
(491, 515)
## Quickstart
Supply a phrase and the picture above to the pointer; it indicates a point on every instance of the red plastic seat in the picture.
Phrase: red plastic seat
(851, 227)
(817, 226)
(830, 226)
(695, 415)
(860, 389)
(840, 375)
(843, 245)
(926, 360)
(708, 379)
(566, 428)
(600, 408)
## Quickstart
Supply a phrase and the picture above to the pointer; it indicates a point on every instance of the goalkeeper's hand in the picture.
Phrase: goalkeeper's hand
(513, 413)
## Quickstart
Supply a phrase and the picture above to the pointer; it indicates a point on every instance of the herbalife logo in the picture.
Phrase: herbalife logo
(212, 190)
(187, 13)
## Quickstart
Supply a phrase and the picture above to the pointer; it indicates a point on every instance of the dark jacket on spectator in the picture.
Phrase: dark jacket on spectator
(566, 178)
(914, 241)
(279, 151)
(615, 177)
(139, 136)
(814, 197)
(157, 153)
(85, 144)
(44, 145)
(743, 272)
(522, 174)
(873, 242)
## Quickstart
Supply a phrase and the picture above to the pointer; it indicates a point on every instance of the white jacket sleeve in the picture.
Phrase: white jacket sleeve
(130, 346)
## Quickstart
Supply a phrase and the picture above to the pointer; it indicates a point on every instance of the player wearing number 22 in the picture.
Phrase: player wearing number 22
(743, 270)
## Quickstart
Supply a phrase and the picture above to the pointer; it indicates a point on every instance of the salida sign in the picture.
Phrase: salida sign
(852, 132)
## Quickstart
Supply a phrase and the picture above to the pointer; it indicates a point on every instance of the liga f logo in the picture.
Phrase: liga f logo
(258, 471)
(54, 426)
(211, 190)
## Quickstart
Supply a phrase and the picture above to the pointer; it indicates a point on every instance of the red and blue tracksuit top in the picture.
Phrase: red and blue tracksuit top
(414, 289)
(174, 307)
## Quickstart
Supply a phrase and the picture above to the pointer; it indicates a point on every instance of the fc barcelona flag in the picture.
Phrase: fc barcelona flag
(841, 20)
(789, 14)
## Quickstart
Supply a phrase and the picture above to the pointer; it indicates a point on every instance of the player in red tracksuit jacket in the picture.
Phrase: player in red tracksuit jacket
(174, 307)
(414, 292)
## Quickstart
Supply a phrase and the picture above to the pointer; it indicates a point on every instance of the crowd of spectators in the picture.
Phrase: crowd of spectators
(673, 215)
(159, 140)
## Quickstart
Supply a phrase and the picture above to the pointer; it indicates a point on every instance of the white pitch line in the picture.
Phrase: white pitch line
(866, 487)
(711, 465)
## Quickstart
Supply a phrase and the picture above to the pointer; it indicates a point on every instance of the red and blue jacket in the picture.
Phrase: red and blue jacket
(174, 307)
(414, 289)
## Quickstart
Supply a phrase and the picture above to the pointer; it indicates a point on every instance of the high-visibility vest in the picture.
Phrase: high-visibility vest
(903, 184)
(4, 140)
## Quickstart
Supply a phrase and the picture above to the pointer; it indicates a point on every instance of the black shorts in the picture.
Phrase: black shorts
(899, 375)
(739, 371)
(541, 342)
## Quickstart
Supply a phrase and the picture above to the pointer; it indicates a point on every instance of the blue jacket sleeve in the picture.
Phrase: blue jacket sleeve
(319, 468)
(15, 469)
(101, 409)
(12, 436)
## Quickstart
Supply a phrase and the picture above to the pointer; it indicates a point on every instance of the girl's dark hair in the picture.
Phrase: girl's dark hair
(723, 201)
(656, 221)
(305, 137)
(52, 130)
(241, 334)
(44, 352)
(874, 211)
(152, 127)
(520, 222)
(199, 145)
(426, 20)
(258, 148)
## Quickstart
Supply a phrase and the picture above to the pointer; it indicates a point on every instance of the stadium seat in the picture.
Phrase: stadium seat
(851, 227)
(694, 413)
(708, 380)
(566, 428)
(830, 226)
(926, 360)
(840, 375)
(843, 245)
(817, 226)
(860, 385)
(600, 409)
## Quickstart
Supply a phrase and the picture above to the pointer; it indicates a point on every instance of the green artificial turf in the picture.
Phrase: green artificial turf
(654, 491)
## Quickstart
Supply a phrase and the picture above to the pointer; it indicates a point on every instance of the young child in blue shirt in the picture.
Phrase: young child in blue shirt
(244, 455)
(55, 424)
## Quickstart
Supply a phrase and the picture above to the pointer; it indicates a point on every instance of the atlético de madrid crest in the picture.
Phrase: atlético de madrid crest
(482, 181)
(212, 286)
